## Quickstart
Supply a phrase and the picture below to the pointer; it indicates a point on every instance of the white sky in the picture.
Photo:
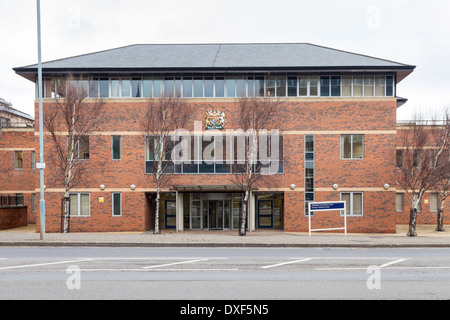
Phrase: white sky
(415, 32)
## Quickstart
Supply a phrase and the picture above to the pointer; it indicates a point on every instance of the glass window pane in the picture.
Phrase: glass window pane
(281, 86)
(270, 86)
(104, 88)
(84, 204)
(358, 146)
(251, 87)
(198, 87)
(220, 89)
(115, 88)
(117, 210)
(389, 86)
(116, 147)
(303, 87)
(357, 86)
(93, 88)
(346, 197)
(187, 87)
(136, 88)
(368, 86)
(314, 87)
(157, 87)
(335, 86)
(399, 202)
(209, 87)
(380, 83)
(309, 143)
(346, 146)
(126, 88)
(18, 159)
(73, 208)
(346, 86)
(177, 91)
(241, 87)
(259, 87)
(230, 84)
(169, 87)
(292, 87)
(148, 87)
(325, 86)
(357, 204)
(434, 202)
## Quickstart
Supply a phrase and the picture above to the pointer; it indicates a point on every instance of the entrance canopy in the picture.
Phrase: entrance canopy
(209, 188)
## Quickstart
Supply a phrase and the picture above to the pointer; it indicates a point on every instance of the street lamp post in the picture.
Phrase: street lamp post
(41, 164)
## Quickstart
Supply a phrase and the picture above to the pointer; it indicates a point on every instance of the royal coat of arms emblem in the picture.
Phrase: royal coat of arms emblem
(214, 119)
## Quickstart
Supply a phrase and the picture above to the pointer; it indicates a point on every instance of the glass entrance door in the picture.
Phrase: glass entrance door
(216, 214)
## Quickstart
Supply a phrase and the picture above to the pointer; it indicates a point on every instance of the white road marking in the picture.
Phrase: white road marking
(285, 263)
(391, 263)
(44, 264)
(174, 263)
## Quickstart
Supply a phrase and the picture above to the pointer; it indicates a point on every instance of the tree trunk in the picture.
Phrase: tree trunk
(157, 229)
(412, 223)
(242, 229)
(440, 221)
(66, 212)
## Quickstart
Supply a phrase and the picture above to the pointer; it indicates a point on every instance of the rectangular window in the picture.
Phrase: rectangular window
(399, 158)
(198, 87)
(33, 160)
(389, 86)
(83, 148)
(33, 202)
(357, 86)
(158, 84)
(259, 87)
(209, 87)
(251, 86)
(281, 87)
(18, 160)
(93, 88)
(187, 87)
(346, 86)
(230, 84)
(147, 87)
(220, 87)
(335, 83)
(292, 87)
(115, 88)
(380, 85)
(104, 88)
(434, 202)
(352, 146)
(325, 86)
(116, 147)
(241, 87)
(303, 87)
(368, 86)
(116, 204)
(136, 88)
(353, 203)
(399, 202)
(177, 91)
(126, 88)
(314, 87)
(169, 87)
(270, 86)
(80, 204)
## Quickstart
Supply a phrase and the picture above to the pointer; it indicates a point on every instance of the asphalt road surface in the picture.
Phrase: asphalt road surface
(223, 274)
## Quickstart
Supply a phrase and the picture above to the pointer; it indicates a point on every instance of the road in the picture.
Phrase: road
(223, 274)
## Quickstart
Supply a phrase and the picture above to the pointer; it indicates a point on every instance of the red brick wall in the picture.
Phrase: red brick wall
(327, 120)
(11, 218)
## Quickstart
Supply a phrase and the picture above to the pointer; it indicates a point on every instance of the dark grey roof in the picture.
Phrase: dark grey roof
(219, 56)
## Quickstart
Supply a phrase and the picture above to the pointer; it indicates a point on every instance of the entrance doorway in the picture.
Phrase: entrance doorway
(218, 214)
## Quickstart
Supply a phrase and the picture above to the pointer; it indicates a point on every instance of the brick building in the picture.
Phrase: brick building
(17, 156)
(338, 143)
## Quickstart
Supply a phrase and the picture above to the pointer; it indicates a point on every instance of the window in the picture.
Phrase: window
(353, 203)
(309, 171)
(115, 88)
(220, 87)
(346, 86)
(399, 202)
(116, 204)
(187, 87)
(104, 88)
(116, 147)
(198, 87)
(357, 86)
(368, 86)
(18, 160)
(380, 84)
(169, 87)
(209, 87)
(325, 86)
(19, 199)
(389, 86)
(230, 85)
(335, 86)
(4, 123)
(33, 202)
(313, 87)
(147, 87)
(33, 160)
(303, 87)
(136, 89)
(158, 84)
(434, 202)
(352, 146)
(83, 148)
(399, 158)
(80, 204)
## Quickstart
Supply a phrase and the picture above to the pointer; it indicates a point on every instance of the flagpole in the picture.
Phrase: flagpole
(41, 123)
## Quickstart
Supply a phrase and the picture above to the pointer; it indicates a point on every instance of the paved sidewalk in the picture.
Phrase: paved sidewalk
(427, 237)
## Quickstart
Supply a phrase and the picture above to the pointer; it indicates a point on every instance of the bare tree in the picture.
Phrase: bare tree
(257, 117)
(164, 116)
(423, 146)
(68, 121)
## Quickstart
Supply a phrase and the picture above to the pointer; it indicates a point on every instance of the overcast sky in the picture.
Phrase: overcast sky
(415, 32)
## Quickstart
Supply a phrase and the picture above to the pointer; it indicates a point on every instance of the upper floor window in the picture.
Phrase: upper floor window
(18, 160)
(230, 86)
(4, 122)
(352, 146)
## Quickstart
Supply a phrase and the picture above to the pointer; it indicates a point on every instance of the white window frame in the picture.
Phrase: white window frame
(351, 146)
(350, 209)
(403, 202)
(112, 204)
(78, 194)
(437, 202)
